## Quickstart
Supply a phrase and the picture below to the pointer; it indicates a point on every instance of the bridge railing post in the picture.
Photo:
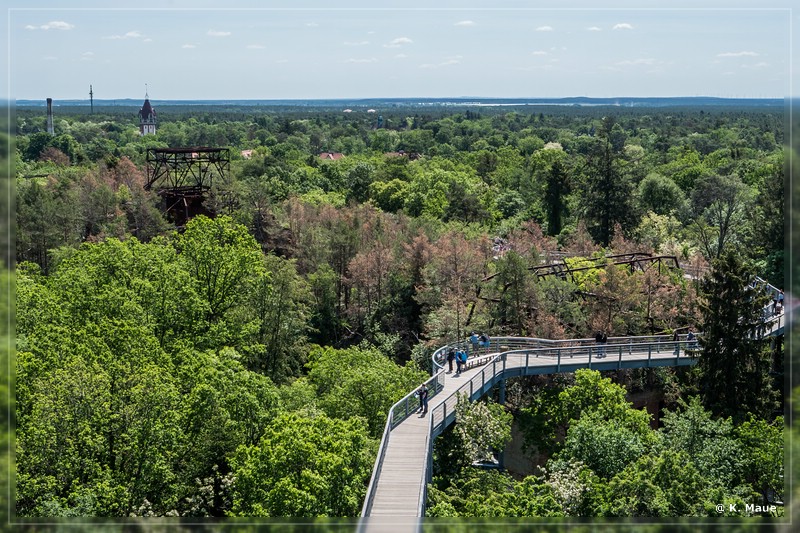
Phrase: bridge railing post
(649, 354)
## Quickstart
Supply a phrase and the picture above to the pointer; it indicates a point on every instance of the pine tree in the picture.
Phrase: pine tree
(735, 361)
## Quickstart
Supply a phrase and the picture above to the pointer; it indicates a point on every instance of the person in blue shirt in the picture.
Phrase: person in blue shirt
(483, 339)
(473, 340)
(461, 360)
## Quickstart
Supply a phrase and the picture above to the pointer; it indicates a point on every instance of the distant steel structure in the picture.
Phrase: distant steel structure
(91, 99)
(184, 176)
(50, 129)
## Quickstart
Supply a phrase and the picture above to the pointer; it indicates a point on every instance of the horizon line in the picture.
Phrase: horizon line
(356, 98)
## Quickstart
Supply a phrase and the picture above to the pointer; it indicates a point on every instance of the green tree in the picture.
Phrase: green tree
(667, 484)
(483, 427)
(762, 463)
(660, 195)
(735, 361)
(222, 258)
(555, 191)
(516, 291)
(720, 203)
(709, 443)
(305, 465)
(280, 302)
(607, 197)
(359, 382)
(605, 446)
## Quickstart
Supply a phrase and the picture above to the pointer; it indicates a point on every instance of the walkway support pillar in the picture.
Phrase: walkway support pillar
(501, 391)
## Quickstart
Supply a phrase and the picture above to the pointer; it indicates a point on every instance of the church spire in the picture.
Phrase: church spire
(147, 116)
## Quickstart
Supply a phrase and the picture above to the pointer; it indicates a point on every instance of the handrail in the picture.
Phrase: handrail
(499, 350)
(397, 413)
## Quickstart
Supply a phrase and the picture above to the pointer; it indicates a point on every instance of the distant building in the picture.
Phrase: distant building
(412, 156)
(147, 118)
(247, 154)
(333, 156)
(347, 111)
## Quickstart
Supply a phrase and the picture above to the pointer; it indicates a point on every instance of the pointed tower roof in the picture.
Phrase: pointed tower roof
(147, 112)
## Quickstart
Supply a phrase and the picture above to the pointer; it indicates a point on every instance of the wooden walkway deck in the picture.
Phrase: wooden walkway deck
(403, 470)
(398, 496)
(400, 476)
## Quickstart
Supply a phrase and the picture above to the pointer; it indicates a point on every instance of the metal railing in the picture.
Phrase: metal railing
(527, 353)
(496, 356)
(398, 412)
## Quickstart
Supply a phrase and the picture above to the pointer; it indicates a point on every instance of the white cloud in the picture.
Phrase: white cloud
(148, 40)
(133, 34)
(50, 58)
(87, 56)
(53, 25)
(455, 60)
(623, 26)
(464, 23)
(401, 56)
(255, 46)
(354, 60)
(312, 24)
(538, 53)
(217, 33)
(188, 46)
(635, 62)
(761, 64)
(593, 28)
(544, 28)
(400, 41)
(737, 54)
(356, 43)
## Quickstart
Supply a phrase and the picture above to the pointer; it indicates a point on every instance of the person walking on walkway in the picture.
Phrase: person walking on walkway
(422, 394)
(598, 338)
(677, 345)
(423, 399)
(461, 359)
(483, 339)
(451, 354)
(473, 340)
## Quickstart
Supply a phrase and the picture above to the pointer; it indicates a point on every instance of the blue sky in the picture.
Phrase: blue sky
(243, 49)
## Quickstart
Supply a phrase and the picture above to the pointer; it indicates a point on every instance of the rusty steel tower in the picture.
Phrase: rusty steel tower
(183, 178)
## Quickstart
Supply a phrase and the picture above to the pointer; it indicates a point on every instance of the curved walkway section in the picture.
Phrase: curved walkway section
(396, 495)
(401, 472)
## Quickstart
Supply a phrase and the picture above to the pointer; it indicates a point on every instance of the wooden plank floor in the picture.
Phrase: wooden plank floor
(399, 487)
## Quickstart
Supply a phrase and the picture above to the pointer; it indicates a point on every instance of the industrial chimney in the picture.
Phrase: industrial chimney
(50, 116)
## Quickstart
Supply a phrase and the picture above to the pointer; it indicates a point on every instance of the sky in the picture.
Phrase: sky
(241, 49)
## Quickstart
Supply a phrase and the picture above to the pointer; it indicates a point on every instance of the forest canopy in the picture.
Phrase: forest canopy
(244, 363)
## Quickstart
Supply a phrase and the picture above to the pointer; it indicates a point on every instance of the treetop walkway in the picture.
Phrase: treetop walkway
(396, 495)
